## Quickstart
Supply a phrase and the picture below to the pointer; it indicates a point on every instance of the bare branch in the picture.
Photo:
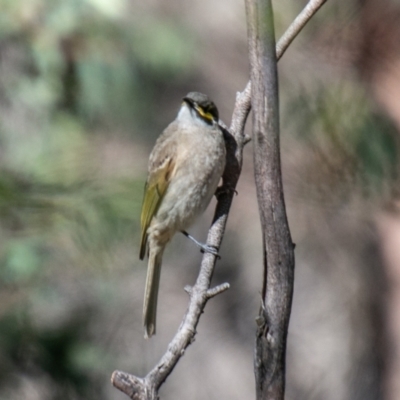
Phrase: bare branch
(278, 249)
(147, 388)
(243, 99)
(217, 290)
(297, 25)
(129, 384)
(278, 255)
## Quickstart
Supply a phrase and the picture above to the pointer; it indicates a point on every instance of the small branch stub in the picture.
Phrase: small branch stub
(188, 289)
(217, 290)
(131, 385)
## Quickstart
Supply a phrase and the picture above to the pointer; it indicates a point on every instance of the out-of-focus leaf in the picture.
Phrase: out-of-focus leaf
(22, 260)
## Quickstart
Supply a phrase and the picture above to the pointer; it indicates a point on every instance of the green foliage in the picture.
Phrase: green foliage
(339, 124)
(21, 262)
(85, 56)
(61, 354)
(76, 78)
(377, 150)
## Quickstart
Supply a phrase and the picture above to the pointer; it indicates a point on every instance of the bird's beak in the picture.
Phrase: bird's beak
(188, 101)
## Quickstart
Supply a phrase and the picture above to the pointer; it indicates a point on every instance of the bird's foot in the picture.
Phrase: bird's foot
(204, 248)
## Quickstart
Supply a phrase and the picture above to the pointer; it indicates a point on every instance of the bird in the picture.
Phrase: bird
(184, 169)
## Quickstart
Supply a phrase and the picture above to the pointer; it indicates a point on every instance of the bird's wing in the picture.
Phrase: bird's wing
(161, 170)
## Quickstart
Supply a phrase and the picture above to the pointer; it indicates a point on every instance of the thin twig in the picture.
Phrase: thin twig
(217, 290)
(297, 25)
(294, 29)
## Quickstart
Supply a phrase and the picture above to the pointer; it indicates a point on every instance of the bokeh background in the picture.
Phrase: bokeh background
(86, 86)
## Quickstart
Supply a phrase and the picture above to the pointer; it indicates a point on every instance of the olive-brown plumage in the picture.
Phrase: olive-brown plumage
(184, 169)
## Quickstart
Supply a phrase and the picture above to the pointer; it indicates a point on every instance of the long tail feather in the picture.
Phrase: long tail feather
(151, 292)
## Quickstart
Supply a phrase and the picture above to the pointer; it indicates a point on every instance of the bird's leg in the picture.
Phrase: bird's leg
(224, 189)
(204, 248)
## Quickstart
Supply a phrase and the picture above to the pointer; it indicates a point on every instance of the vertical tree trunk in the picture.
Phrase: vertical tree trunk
(278, 252)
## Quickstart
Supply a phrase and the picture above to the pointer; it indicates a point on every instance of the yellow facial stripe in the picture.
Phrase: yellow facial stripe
(206, 115)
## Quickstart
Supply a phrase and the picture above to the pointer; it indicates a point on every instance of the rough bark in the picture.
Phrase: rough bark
(278, 254)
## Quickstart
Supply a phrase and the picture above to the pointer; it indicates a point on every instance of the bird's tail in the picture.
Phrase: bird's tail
(151, 292)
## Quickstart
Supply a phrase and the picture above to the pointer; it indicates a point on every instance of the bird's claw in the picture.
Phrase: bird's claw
(210, 249)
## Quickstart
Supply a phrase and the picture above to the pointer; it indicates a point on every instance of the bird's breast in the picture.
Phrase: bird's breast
(200, 164)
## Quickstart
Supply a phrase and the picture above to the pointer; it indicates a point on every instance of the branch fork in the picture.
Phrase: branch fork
(147, 388)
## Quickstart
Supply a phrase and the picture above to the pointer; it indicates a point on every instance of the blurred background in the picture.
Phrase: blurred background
(86, 86)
